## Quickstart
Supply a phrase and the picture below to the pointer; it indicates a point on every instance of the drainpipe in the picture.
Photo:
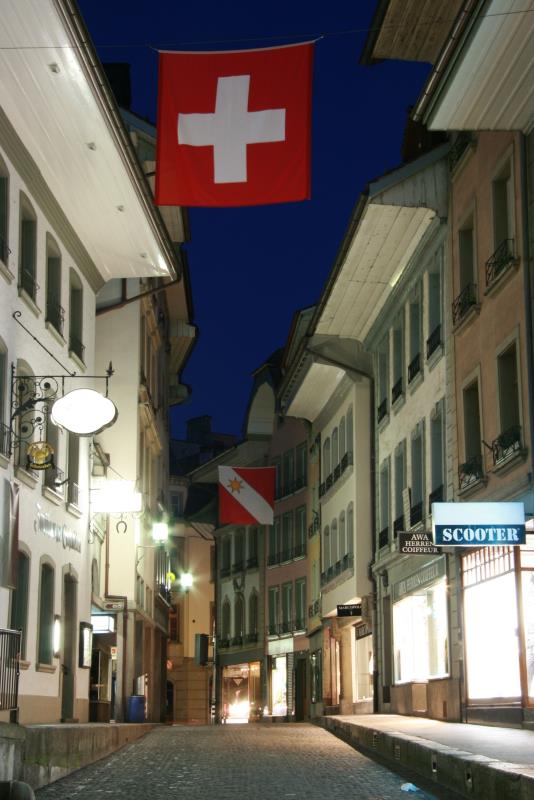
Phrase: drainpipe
(527, 286)
(124, 598)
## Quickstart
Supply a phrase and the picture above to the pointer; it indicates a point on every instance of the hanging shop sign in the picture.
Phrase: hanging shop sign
(349, 610)
(363, 630)
(417, 543)
(478, 524)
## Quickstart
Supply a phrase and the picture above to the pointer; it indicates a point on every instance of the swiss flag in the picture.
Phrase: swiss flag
(234, 128)
(246, 495)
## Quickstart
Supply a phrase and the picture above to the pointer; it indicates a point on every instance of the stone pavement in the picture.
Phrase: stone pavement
(242, 762)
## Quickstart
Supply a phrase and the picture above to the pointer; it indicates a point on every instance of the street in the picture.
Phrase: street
(270, 762)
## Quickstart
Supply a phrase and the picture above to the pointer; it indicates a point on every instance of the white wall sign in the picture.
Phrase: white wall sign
(478, 524)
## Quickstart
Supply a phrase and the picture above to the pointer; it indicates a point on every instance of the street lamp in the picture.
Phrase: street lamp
(186, 581)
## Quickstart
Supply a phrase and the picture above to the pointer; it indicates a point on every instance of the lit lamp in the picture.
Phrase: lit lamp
(186, 581)
(160, 532)
(84, 412)
(56, 636)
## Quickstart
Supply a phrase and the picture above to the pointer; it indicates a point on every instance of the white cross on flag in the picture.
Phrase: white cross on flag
(246, 495)
(234, 127)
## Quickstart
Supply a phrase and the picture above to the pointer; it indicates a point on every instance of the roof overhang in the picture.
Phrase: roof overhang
(487, 80)
(391, 224)
(56, 98)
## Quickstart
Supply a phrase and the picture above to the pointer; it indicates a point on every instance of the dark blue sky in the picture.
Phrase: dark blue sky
(251, 268)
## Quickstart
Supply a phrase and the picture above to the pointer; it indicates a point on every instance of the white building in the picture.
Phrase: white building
(75, 212)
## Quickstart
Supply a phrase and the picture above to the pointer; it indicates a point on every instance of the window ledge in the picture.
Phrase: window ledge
(54, 497)
(23, 664)
(473, 487)
(6, 273)
(74, 510)
(55, 334)
(30, 302)
(48, 668)
(383, 422)
(467, 318)
(26, 477)
(434, 357)
(503, 277)
(416, 381)
(506, 464)
(398, 404)
(77, 360)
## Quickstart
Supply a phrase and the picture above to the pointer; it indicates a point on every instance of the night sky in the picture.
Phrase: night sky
(251, 268)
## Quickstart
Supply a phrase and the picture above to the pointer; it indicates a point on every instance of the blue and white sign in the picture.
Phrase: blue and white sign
(478, 524)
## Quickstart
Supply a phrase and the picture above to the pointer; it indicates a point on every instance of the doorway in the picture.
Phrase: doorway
(68, 654)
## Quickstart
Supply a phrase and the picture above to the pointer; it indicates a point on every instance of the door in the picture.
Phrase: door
(68, 655)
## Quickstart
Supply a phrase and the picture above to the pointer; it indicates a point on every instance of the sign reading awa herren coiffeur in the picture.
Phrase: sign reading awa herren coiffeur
(478, 524)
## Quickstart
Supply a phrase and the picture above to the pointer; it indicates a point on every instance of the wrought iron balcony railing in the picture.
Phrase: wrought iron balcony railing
(251, 638)
(396, 391)
(433, 341)
(505, 445)
(252, 562)
(382, 410)
(299, 550)
(238, 566)
(436, 496)
(224, 642)
(346, 461)
(502, 258)
(55, 315)
(225, 570)
(347, 561)
(416, 513)
(470, 472)
(414, 367)
(272, 559)
(465, 300)
(76, 347)
(383, 537)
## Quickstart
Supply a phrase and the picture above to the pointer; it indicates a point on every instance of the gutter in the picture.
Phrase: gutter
(88, 58)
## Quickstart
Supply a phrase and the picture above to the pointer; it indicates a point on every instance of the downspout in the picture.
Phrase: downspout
(124, 598)
(527, 291)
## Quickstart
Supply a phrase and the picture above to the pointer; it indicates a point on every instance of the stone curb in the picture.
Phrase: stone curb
(469, 775)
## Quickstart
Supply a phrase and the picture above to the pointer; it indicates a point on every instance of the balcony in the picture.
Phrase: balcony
(416, 513)
(506, 445)
(396, 392)
(272, 559)
(334, 476)
(383, 537)
(398, 525)
(466, 300)
(300, 624)
(286, 555)
(76, 347)
(28, 283)
(382, 410)
(299, 550)
(272, 629)
(55, 315)
(436, 496)
(224, 642)
(329, 482)
(498, 263)
(347, 561)
(414, 367)
(470, 472)
(433, 341)
(237, 641)
(251, 638)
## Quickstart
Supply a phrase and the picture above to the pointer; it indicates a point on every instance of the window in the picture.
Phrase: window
(287, 537)
(437, 454)
(239, 619)
(300, 531)
(76, 345)
(503, 210)
(177, 505)
(398, 357)
(274, 542)
(350, 432)
(28, 248)
(252, 560)
(342, 536)
(226, 554)
(420, 630)
(55, 314)
(350, 529)
(400, 485)
(289, 472)
(4, 430)
(73, 466)
(382, 383)
(277, 478)
(467, 272)
(334, 555)
(46, 615)
(509, 440)
(335, 448)
(239, 549)
(19, 600)
(273, 609)
(226, 619)
(471, 470)
(300, 604)
(326, 459)
(326, 547)
(434, 305)
(383, 536)
(302, 463)
(253, 615)
(418, 475)
(342, 437)
(287, 607)
(414, 367)
(4, 212)
(53, 476)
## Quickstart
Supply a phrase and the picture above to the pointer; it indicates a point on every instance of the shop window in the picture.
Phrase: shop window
(364, 665)
(46, 615)
(414, 366)
(398, 357)
(300, 532)
(437, 455)
(4, 212)
(300, 604)
(434, 305)
(19, 600)
(28, 248)
(382, 383)
(420, 625)
(417, 511)
(76, 345)
(273, 610)
(287, 607)
(55, 313)
(287, 537)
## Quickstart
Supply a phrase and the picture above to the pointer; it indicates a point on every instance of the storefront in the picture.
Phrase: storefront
(241, 692)
(363, 668)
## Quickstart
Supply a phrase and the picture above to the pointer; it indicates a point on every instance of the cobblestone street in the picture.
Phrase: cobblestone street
(249, 761)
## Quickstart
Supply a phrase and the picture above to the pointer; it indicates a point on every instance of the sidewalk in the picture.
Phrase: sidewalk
(476, 761)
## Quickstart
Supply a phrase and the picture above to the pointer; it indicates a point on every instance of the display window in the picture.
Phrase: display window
(364, 663)
(241, 692)
(420, 634)
(279, 686)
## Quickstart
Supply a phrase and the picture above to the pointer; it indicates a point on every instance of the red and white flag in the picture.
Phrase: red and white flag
(246, 495)
(234, 127)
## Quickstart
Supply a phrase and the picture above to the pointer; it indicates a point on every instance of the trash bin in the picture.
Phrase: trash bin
(136, 708)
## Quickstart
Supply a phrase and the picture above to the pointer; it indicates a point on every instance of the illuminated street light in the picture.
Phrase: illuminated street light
(186, 580)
